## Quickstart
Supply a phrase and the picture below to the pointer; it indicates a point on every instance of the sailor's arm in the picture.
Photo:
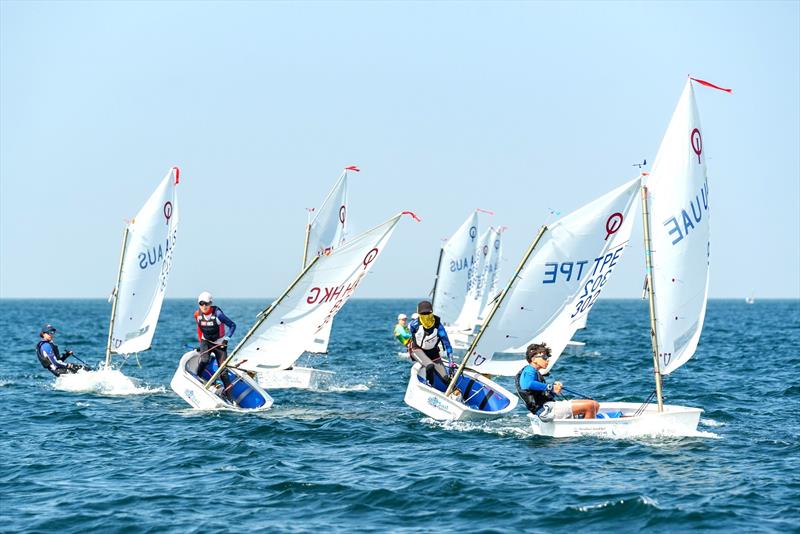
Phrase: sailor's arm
(445, 340)
(230, 326)
(528, 381)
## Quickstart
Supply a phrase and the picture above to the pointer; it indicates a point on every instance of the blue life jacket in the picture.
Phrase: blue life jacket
(43, 359)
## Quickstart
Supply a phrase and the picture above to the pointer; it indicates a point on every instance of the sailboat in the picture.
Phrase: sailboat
(148, 246)
(558, 279)
(452, 270)
(283, 329)
(457, 295)
(325, 232)
(675, 216)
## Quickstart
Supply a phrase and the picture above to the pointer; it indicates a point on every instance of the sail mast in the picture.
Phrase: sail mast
(305, 244)
(261, 318)
(115, 294)
(496, 306)
(652, 297)
(436, 279)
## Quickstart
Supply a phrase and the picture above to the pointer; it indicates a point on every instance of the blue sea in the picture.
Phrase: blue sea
(353, 457)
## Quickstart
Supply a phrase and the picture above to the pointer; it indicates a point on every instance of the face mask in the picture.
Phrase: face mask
(426, 319)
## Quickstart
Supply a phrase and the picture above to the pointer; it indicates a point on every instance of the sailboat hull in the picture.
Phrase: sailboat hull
(484, 399)
(296, 377)
(245, 392)
(673, 421)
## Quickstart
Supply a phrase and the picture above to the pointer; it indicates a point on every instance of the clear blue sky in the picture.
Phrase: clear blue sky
(515, 107)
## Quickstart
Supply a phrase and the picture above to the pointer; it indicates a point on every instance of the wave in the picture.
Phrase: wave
(104, 381)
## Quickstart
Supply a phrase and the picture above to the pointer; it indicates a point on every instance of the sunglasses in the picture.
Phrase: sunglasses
(204, 303)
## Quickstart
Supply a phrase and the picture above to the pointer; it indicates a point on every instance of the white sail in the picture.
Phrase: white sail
(326, 232)
(452, 278)
(145, 268)
(560, 281)
(473, 300)
(492, 271)
(327, 229)
(318, 295)
(679, 224)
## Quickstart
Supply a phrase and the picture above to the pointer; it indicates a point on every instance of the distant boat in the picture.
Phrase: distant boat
(750, 299)
(325, 233)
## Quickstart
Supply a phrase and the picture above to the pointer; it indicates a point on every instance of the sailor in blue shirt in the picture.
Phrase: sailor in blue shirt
(539, 396)
(49, 355)
(428, 337)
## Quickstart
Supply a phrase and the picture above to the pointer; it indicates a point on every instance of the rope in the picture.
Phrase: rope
(641, 408)
(579, 394)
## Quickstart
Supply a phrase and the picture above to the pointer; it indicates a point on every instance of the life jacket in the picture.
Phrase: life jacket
(428, 339)
(43, 359)
(534, 400)
(211, 327)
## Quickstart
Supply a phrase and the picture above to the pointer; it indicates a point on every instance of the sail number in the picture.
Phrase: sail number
(597, 270)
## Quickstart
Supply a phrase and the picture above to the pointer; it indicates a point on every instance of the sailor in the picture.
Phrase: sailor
(401, 331)
(428, 336)
(211, 331)
(49, 356)
(539, 396)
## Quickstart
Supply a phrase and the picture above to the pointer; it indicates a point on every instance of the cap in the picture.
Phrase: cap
(425, 307)
(48, 329)
(402, 316)
(205, 296)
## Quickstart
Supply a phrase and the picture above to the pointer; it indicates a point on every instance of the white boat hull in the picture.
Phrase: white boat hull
(296, 377)
(433, 403)
(673, 421)
(248, 396)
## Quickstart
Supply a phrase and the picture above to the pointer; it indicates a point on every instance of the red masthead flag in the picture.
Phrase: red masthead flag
(352, 168)
(711, 85)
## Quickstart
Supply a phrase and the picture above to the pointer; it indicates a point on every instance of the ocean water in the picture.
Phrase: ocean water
(354, 457)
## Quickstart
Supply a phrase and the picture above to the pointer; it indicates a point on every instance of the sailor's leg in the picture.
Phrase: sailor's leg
(585, 407)
(427, 363)
(204, 359)
(221, 355)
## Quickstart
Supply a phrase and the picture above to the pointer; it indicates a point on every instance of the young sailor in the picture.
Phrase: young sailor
(427, 337)
(401, 331)
(211, 323)
(49, 355)
(539, 396)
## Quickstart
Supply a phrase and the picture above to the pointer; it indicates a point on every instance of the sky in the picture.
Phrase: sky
(519, 108)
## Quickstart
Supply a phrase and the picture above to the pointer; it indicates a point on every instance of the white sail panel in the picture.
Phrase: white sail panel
(561, 280)
(492, 272)
(453, 276)
(476, 274)
(679, 225)
(145, 268)
(312, 303)
(327, 229)
(326, 232)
